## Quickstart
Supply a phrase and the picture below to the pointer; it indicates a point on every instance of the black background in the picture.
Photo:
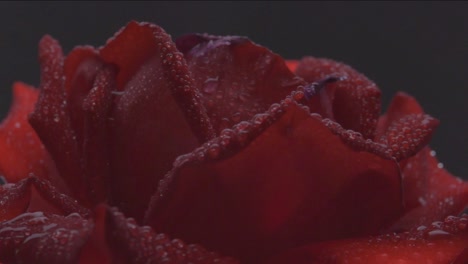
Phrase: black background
(417, 47)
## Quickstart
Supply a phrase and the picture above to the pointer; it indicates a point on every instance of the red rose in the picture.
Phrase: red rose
(282, 167)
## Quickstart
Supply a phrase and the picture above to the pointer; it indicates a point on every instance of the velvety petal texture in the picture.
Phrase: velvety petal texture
(147, 150)
(155, 105)
(278, 188)
(237, 78)
(51, 119)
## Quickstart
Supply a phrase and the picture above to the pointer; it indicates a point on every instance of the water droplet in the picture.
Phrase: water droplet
(47, 227)
(117, 92)
(34, 236)
(433, 153)
(437, 224)
(438, 232)
(421, 228)
(259, 119)
(56, 118)
(214, 151)
(440, 165)
(422, 201)
(211, 85)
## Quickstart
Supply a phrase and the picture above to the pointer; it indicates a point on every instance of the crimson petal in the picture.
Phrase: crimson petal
(22, 153)
(462, 258)
(96, 108)
(237, 77)
(88, 86)
(440, 243)
(116, 239)
(14, 199)
(155, 110)
(405, 129)
(430, 192)
(401, 105)
(17, 198)
(51, 118)
(41, 238)
(353, 102)
(273, 183)
(80, 69)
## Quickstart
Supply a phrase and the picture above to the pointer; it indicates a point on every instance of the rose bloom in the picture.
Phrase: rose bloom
(215, 150)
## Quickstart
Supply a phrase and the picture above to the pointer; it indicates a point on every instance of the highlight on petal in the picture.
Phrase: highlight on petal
(21, 151)
(353, 102)
(236, 77)
(274, 183)
(439, 243)
(292, 65)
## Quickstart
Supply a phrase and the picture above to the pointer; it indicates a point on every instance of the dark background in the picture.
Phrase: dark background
(418, 47)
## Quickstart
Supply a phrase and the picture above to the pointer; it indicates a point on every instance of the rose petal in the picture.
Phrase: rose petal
(462, 258)
(116, 239)
(51, 119)
(409, 135)
(405, 129)
(401, 105)
(237, 77)
(14, 199)
(34, 194)
(22, 153)
(96, 108)
(80, 69)
(155, 111)
(97, 249)
(274, 183)
(41, 238)
(62, 203)
(430, 192)
(438, 244)
(139, 43)
(353, 102)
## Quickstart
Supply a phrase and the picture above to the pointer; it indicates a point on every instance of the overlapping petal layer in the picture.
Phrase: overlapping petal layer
(237, 78)
(114, 119)
(353, 102)
(278, 187)
(155, 106)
